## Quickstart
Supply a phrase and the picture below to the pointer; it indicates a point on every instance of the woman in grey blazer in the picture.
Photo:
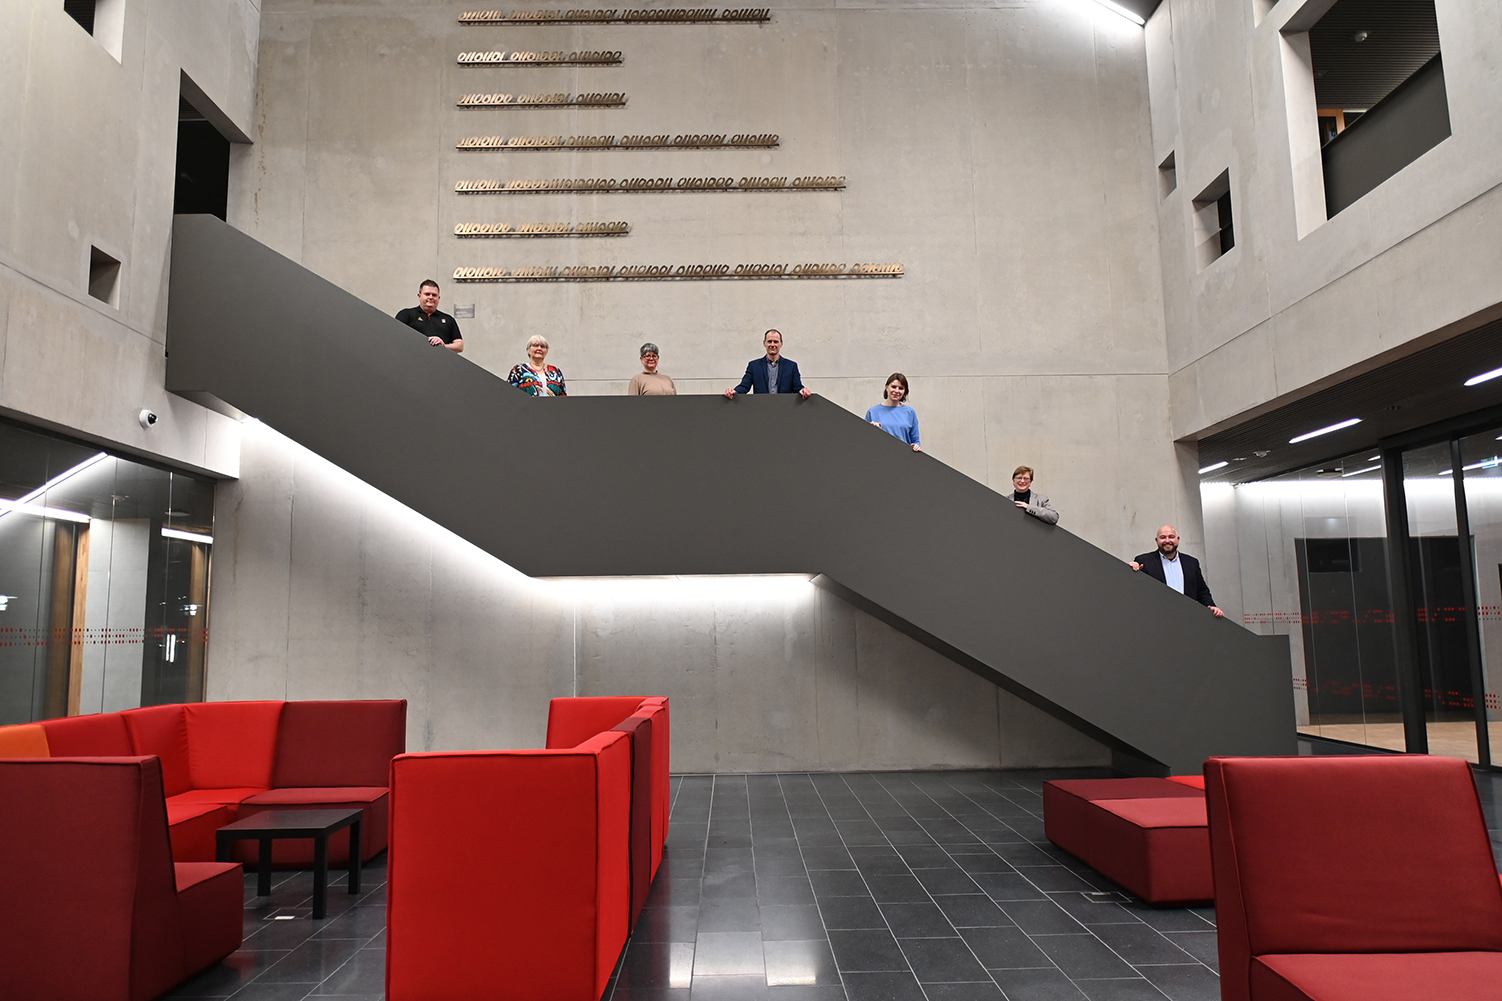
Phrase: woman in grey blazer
(1029, 499)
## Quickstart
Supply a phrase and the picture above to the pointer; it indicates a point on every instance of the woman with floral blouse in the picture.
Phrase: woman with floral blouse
(535, 377)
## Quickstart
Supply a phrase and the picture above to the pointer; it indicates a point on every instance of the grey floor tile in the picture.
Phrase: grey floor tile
(1041, 917)
(363, 975)
(1083, 956)
(918, 920)
(795, 963)
(272, 992)
(837, 882)
(1171, 918)
(883, 987)
(827, 858)
(735, 914)
(896, 888)
(972, 910)
(1005, 949)
(946, 881)
(1007, 886)
(791, 921)
(779, 866)
(1099, 910)
(987, 991)
(851, 912)
(1202, 945)
(1143, 945)
(924, 856)
(989, 862)
(1036, 985)
(867, 951)
(657, 966)
(1119, 990)
(229, 975)
(942, 961)
(311, 962)
(786, 889)
(804, 992)
(1183, 983)
(728, 954)
(729, 989)
(676, 923)
(1053, 878)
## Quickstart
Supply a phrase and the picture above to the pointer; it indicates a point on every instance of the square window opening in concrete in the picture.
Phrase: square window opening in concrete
(1168, 178)
(1214, 232)
(103, 19)
(1375, 64)
(104, 277)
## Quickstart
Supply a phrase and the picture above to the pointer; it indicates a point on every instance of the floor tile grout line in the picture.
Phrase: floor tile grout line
(817, 906)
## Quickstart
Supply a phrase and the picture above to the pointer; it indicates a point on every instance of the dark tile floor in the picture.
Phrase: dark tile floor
(796, 887)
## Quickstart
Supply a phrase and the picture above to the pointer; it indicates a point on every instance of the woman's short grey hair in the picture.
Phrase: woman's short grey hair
(649, 349)
(537, 339)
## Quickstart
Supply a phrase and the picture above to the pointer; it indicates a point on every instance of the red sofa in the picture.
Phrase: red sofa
(1147, 834)
(222, 761)
(509, 872)
(1364, 878)
(95, 909)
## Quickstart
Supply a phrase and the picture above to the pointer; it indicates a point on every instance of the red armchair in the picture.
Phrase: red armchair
(95, 909)
(509, 872)
(1352, 879)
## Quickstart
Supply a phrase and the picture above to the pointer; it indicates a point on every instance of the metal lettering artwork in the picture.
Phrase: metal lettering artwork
(680, 272)
(764, 140)
(500, 57)
(542, 101)
(611, 185)
(503, 229)
(638, 15)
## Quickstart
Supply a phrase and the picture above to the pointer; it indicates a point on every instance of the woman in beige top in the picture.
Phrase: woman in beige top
(650, 382)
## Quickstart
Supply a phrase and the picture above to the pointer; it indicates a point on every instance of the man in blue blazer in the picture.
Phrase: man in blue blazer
(1179, 571)
(772, 374)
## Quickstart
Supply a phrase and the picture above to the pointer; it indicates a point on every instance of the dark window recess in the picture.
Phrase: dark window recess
(1168, 177)
(104, 277)
(81, 11)
(1377, 62)
(1214, 234)
(202, 165)
(1227, 231)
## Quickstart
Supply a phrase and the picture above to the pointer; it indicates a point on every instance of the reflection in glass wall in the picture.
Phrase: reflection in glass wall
(1442, 612)
(1314, 568)
(1482, 458)
(104, 568)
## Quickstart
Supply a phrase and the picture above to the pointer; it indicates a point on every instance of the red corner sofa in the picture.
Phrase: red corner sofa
(1147, 834)
(222, 761)
(1363, 878)
(95, 909)
(511, 872)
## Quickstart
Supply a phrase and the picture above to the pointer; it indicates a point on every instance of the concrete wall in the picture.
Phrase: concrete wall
(1003, 154)
(91, 135)
(327, 588)
(1302, 298)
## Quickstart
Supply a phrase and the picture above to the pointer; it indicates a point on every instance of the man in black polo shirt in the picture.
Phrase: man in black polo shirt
(438, 328)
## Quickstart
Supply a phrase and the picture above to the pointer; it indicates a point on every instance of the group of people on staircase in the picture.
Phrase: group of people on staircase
(774, 374)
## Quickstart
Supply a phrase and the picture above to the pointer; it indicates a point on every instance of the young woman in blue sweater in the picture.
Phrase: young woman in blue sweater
(893, 415)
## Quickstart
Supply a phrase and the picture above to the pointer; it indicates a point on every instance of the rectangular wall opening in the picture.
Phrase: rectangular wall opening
(1214, 232)
(103, 19)
(1168, 178)
(104, 277)
(202, 164)
(1379, 91)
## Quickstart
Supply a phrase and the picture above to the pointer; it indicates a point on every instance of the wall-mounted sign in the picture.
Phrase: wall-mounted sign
(542, 101)
(606, 185)
(665, 15)
(473, 229)
(763, 140)
(500, 57)
(670, 272)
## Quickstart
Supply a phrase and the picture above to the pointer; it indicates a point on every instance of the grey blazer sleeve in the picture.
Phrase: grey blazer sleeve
(1039, 508)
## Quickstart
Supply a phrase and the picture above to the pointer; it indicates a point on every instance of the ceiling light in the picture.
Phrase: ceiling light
(1118, 8)
(1210, 469)
(1332, 427)
(42, 511)
(173, 533)
(1484, 377)
(1358, 472)
(23, 504)
(1491, 463)
(1373, 458)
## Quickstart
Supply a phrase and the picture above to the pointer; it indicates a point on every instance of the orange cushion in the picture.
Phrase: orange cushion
(26, 740)
(95, 735)
(1192, 781)
(230, 744)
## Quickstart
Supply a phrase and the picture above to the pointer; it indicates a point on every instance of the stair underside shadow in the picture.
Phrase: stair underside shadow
(702, 485)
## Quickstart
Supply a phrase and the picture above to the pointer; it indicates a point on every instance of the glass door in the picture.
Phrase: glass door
(1481, 468)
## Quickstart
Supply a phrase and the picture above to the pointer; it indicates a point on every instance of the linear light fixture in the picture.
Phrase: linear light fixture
(24, 503)
(1484, 377)
(1119, 9)
(1219, 465)
(173, 533)
(1358, 472)
(1491, 463)
(1316, 434)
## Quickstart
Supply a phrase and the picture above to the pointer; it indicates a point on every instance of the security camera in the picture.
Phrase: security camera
(147, 418)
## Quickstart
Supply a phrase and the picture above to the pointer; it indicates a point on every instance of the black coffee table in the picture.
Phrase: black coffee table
(316, 824)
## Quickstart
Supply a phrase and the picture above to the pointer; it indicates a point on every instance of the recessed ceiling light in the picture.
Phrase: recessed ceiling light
(1315, 434)
(1118, 8)
(1210, 469)
(1483, 377)
(1358, 472)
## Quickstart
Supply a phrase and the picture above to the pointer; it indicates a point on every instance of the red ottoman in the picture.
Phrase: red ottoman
(1149, 835)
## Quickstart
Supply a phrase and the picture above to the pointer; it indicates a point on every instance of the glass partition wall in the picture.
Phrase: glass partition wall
(1384, 569)
(104, 571)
